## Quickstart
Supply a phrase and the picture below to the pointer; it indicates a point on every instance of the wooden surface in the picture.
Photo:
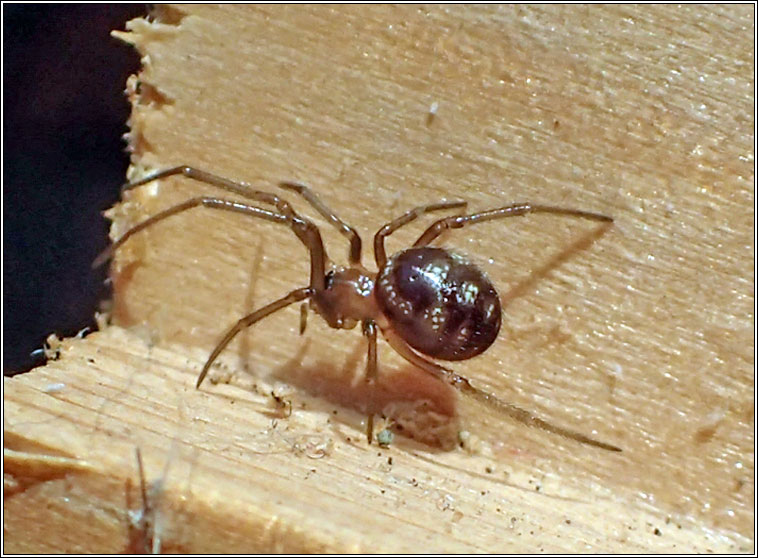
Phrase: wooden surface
(641, 336)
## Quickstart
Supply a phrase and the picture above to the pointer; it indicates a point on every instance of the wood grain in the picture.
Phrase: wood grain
(641, 336)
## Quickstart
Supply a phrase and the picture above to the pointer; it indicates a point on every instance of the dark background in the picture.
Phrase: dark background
(63, 162)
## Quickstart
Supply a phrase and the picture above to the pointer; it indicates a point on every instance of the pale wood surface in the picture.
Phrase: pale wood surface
(643, 338)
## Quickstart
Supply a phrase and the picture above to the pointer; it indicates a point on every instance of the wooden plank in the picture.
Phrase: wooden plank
(641, 336)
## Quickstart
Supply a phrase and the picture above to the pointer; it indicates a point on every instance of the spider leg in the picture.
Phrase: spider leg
(295, 296)
(214, 203)
(369, 330)
(459, 221)
(303, 317)
(354, 254)
(462, 384)
(380, 253)
(306, 231)
(303, 228)
(241, 188)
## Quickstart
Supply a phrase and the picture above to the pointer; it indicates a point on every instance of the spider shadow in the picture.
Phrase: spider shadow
(582, 243)
(417, 406)
(246, 337)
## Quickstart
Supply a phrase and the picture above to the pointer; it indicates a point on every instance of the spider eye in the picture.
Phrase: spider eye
(329, 279)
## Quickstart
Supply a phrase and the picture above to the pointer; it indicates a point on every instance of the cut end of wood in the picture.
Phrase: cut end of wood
(232, 471)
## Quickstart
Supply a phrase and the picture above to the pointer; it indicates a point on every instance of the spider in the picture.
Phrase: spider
(428, 303)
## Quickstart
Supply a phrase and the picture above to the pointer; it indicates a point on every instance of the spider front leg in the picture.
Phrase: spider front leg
(306, 231)
(204, 201)
(241, 188)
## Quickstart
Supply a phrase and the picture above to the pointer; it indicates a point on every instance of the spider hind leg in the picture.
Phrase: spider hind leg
(462, 384)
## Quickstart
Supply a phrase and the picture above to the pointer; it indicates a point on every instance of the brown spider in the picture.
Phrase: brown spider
(426, 301)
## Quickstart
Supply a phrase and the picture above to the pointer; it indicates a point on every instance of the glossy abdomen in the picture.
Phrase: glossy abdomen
(441, 304)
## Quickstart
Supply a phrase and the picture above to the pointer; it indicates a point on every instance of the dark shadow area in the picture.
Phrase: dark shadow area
(64, 114)
(417, 405)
